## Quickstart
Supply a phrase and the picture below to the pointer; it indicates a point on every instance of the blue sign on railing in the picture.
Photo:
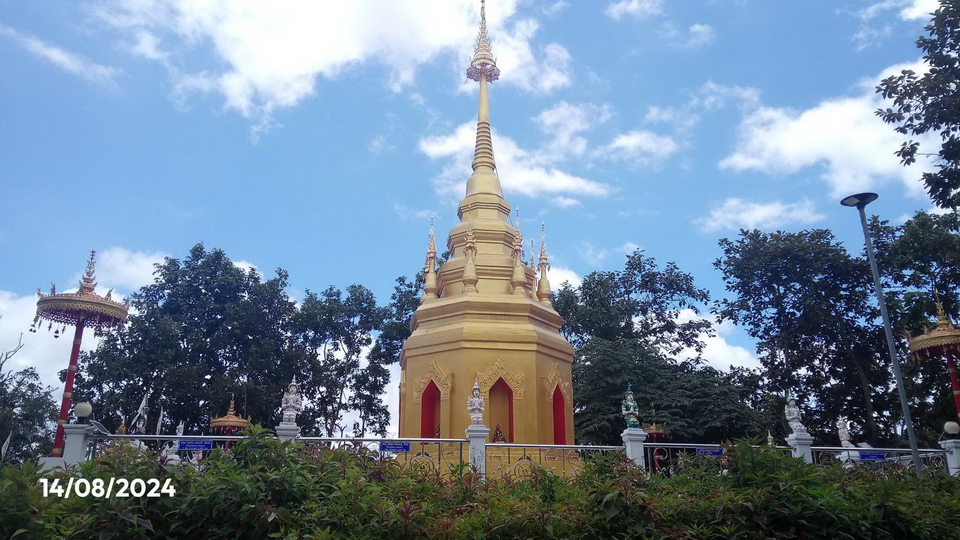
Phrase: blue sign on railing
(873, 456)
(713, 452)
(195, 445)
(395, 447)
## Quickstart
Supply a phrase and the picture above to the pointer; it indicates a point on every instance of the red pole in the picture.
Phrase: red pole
(68, 390)
(954, 382)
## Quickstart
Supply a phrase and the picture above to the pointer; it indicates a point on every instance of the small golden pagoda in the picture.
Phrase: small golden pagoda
(486, 315)
(229, 423)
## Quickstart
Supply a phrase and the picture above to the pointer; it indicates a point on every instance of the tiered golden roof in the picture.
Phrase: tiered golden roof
(230, 421)
(938, 341)
(84, 305)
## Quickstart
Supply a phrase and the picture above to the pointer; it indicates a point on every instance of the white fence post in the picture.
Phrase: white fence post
(800, 446)
(76, 439)
(477, 435)
(633, 441)
(952, 446)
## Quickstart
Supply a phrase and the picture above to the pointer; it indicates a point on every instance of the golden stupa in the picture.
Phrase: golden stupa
(486, 315)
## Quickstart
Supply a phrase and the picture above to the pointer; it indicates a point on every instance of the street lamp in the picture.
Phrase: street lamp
(860, 201)
(83, 410)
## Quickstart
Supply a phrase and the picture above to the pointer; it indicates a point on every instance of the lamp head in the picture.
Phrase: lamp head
(859, 200)
(951, 427)
(83, 410)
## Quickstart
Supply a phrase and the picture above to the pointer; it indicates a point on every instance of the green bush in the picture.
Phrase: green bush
(263, 488)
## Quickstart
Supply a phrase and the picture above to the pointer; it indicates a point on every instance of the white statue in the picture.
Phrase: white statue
(292, 402)
(171, 455)
(843, 431)
(171, 452)
(792, 412)
(475, 405)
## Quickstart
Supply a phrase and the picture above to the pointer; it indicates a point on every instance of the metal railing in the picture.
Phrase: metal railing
(522, 460)
(429, 455)
(882, 459)
(440, 456)
(670, 458)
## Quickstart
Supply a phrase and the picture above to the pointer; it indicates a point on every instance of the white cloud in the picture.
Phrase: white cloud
(559, 275)
(268, 56)
(409, 214)
(909, 9)
(565, 202)
(697, 35)
(519, 65)
(564, 121)
(528, 172)
(555, 7)
(717, 352)
(640, 9)
(126, 270)
(842, 135)
(628, 248)
(640, 147)
(919, 9)
(70, 62)
(592, 255)
(736, 214)
(713, 96)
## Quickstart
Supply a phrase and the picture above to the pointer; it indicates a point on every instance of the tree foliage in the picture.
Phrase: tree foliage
(207, 329)
(640, 302)
(28, 412)
(929, 102)
(807, 302)
(692, 403)
(337, 331)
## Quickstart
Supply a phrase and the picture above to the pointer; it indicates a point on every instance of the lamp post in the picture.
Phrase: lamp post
(860, 201)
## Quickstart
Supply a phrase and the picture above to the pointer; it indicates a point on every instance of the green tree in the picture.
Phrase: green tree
(205, 329)
(693, 403)
(807, 303)
(929, 103)
(640, 302)
(338, 330)
(28, 413)
(921, 258)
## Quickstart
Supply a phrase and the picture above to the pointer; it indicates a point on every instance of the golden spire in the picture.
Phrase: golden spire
(430, 285)
(483, 69)
(543, 287)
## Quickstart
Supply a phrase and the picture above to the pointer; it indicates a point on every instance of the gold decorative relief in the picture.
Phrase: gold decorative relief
(498, 370)
(436, 375)
(551, 382)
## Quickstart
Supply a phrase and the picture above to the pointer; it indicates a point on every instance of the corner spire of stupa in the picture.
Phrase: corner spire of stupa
(483, 69)
(430, 285)
(544, 294)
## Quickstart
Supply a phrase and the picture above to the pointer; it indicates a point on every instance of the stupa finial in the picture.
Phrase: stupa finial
(483, 69)
(483, 62)
(88, 281)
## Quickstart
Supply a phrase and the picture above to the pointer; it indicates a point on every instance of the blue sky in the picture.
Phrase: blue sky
(321, 136)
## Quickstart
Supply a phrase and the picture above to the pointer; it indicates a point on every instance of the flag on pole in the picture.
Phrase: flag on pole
(159, 420)
(6, 444)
